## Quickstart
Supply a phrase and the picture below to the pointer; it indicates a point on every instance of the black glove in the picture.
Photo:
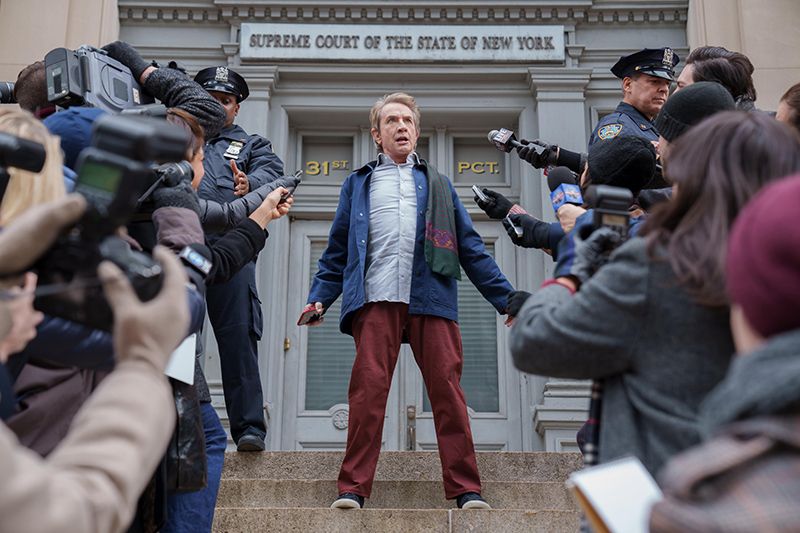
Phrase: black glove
(176, 66)
(497, 207)
(515, 302)
(549, 155)
(181, 195)
(128, 56)
(534, 231)
(589, 254)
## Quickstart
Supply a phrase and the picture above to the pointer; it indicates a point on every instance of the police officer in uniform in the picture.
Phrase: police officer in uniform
(646, 76)
(236, 163)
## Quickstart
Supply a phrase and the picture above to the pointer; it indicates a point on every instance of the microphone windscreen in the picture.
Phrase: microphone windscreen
(559, 175)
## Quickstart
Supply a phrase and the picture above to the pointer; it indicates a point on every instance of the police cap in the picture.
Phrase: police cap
(659, 62)
(224, 80)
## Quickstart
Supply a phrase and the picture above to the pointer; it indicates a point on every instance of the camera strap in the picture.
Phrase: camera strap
(7, 396)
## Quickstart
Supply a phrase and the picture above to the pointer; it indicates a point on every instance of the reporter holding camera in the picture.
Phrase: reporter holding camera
(92, 480)
(235, 163)
(652, 323)
(744, 477)
(177, 225)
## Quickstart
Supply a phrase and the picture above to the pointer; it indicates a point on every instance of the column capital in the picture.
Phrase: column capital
(230, 50)
(261, 79)
(556, 83)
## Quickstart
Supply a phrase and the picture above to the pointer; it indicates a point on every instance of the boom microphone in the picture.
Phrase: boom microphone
(563, 188)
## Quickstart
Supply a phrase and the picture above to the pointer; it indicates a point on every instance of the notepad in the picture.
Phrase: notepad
(617, 496)
(181, 363)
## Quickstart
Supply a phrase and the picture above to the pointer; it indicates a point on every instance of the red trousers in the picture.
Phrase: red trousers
(436, 342)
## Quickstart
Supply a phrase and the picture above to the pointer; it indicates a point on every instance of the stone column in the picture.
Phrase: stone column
(560, 406)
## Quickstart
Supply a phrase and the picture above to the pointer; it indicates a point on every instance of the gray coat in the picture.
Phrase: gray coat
(632, 326)
(219, 217)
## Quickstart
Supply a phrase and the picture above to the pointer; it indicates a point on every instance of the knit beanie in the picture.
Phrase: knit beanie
(74, 126)
(763, 262)
(690, 105)
(626, 161)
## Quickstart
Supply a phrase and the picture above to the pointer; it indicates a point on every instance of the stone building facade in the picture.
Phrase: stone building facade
(540, 68)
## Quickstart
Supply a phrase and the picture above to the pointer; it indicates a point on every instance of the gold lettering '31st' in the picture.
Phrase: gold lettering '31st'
(315, 168)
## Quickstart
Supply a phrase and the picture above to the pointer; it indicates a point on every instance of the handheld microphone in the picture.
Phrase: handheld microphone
(504, 140)
(563, 188)
(198, 257)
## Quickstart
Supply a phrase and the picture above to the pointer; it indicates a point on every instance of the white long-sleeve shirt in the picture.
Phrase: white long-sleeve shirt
(392, 231)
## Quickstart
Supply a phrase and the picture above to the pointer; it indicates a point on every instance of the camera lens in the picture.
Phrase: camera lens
(7, 93)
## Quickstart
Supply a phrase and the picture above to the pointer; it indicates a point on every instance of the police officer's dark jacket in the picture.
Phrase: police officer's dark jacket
(625, 120)
(253, 156)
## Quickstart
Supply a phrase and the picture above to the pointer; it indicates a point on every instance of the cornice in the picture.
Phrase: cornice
(567, 12)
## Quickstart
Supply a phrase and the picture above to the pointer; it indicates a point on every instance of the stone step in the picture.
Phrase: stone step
(254, 519)
(400, 466)
(390, 494)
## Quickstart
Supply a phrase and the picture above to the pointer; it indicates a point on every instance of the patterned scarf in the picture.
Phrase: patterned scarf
(441, 248)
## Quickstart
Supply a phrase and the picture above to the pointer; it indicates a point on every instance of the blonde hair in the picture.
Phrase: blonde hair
(394, 98)
(26, 189)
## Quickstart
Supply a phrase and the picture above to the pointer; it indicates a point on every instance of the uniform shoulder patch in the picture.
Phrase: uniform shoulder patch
(609, 131)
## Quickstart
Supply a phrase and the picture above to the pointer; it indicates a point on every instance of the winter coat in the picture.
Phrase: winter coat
(746, 476)
(632, 325)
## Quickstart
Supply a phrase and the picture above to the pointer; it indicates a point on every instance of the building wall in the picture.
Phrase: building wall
(31, 28)
(557, 102)
(767, 31)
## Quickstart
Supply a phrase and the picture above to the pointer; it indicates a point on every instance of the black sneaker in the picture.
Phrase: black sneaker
(471, 500)
(348, 500)
(250, 443)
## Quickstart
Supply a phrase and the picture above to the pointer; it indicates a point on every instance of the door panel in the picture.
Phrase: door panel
(319, 362)
(490, 383)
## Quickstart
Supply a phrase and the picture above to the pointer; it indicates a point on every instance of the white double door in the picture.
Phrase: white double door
(318, 362)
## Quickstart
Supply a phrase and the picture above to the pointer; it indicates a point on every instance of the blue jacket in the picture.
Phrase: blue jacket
(342, 266)
(625, 120)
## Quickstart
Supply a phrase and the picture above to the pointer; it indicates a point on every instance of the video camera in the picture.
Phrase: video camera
(88, 76)
(113, 174)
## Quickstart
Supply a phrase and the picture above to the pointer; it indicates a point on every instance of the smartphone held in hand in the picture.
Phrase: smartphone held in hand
(479, 193)
(517, 229)
(308, 315)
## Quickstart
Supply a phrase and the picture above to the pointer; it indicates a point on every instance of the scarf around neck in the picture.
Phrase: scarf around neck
(441, 246)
